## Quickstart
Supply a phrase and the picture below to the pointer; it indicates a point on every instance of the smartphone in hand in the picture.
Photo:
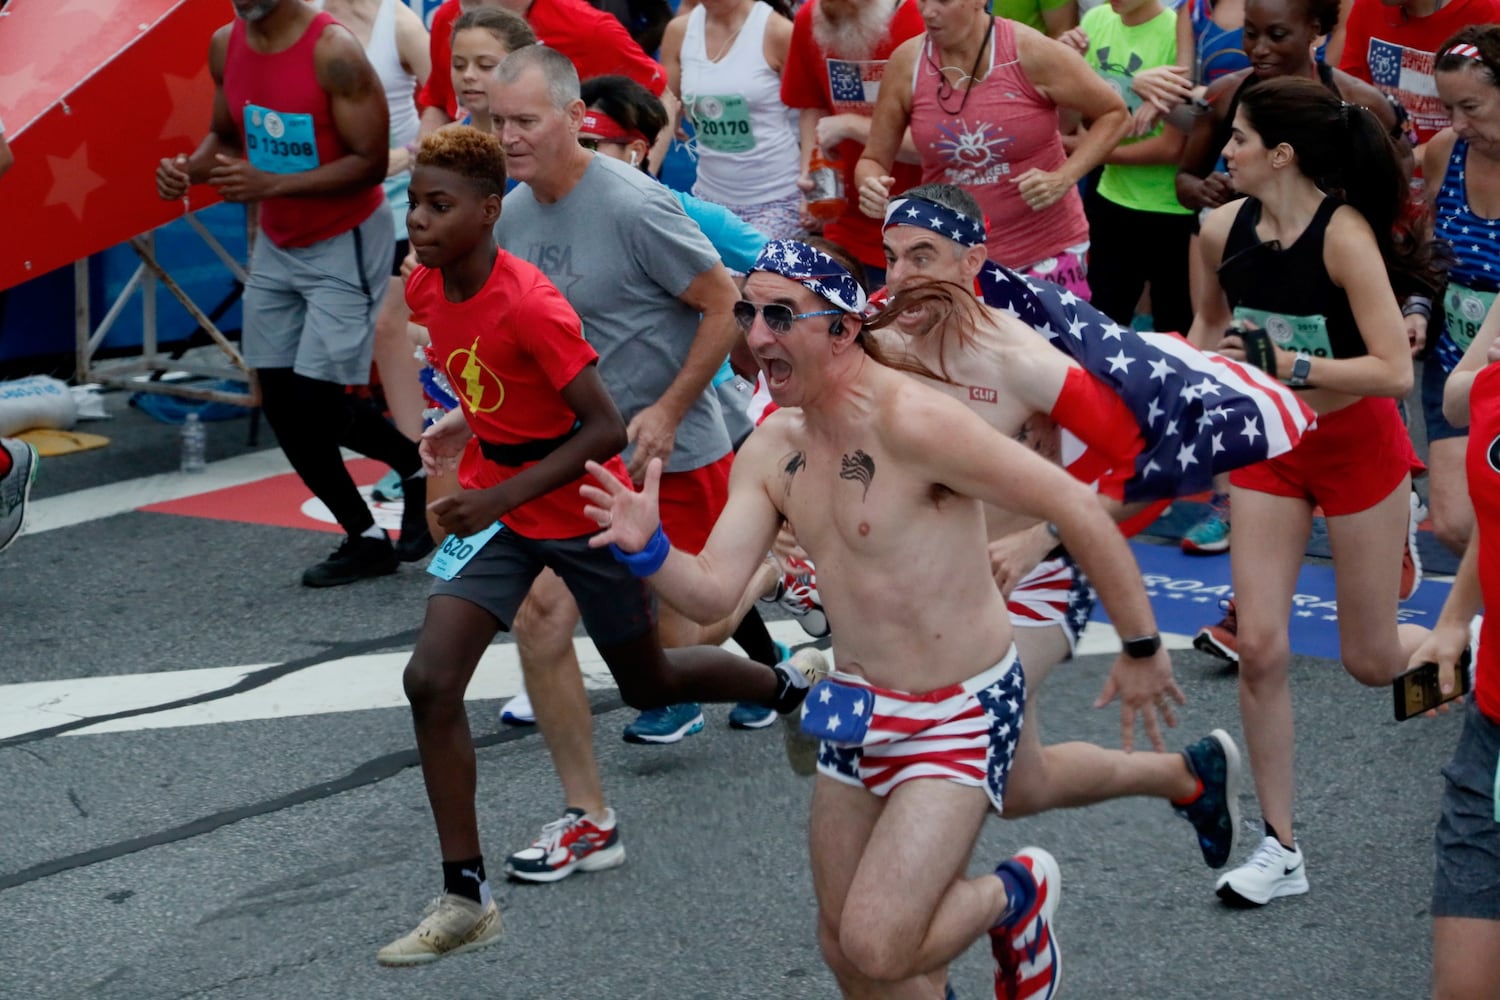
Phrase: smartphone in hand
(1417, 691)
(1259, 350)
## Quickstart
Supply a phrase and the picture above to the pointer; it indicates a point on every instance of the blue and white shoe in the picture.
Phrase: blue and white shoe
(518, 711)
(749, 715)
(666, 725)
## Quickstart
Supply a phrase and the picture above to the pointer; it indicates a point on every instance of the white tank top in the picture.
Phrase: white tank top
(747, 145)
(400, 86)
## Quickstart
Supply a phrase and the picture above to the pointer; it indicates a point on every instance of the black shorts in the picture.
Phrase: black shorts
(615, 606)
(1466, 882)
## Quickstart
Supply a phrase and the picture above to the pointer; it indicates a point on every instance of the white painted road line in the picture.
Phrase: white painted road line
(352, 684)
(116, 498)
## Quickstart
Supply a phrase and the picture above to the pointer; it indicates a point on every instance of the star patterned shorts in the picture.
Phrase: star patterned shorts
(876, 738)
(1054, 593)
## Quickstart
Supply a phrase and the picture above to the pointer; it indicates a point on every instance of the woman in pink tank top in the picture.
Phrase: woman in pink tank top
(981, 96)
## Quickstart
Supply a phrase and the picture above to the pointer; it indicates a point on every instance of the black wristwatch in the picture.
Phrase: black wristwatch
(1142, 647)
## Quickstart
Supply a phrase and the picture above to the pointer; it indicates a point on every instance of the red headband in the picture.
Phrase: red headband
(602, 126)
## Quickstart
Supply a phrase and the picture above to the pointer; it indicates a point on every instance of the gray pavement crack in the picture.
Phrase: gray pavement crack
(370, 772)
(249, 682)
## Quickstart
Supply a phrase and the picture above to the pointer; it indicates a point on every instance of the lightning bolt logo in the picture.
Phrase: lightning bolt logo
(476, 380)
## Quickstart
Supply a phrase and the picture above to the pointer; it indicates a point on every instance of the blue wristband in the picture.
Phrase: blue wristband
(649, 559)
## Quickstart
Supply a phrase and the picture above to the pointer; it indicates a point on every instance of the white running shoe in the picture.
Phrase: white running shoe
(1272, 872)
(517, 711)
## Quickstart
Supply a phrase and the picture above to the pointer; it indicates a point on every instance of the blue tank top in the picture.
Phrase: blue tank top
(1220, 50)
(1474, 277)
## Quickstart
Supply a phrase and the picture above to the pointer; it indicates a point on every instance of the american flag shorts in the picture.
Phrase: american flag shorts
(965, 733)
(1054, 593)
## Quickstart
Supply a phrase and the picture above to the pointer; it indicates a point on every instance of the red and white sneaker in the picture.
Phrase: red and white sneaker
(572, 843)
(798, 593)
(1028, 964)
(1411, 558)
(1221, 640)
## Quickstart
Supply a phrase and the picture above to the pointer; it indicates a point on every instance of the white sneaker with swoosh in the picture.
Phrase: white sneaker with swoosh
(1272, 872)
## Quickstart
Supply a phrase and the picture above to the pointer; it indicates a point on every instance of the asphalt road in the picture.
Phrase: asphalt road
(270, 858)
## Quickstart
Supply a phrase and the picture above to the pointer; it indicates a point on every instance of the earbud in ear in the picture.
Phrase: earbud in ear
(634, 156)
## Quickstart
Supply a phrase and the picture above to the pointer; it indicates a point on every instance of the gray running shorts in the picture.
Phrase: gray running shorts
(1466, 882)
(313, 309)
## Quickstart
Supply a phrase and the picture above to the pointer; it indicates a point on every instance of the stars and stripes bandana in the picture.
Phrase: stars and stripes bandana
(1199, 412)
(908, 211)
(813, 269)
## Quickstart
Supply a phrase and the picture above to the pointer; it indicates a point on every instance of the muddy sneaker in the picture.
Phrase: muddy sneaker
(451, 924)
(801, 749)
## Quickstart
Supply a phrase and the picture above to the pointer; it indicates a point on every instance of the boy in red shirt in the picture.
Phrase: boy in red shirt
(532, 410)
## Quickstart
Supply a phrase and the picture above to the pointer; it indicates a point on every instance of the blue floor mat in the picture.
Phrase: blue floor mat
(1185, 592)
(1183, 514)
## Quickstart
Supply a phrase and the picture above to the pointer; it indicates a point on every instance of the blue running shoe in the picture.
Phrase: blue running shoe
(665, 725)
(749, 715)
(1215, 812)
(1209, 536)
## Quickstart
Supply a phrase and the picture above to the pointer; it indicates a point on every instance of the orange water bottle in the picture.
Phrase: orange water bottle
(826, 199)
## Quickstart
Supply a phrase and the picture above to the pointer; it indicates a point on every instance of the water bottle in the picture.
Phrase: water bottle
(194, 440)
(825, 201)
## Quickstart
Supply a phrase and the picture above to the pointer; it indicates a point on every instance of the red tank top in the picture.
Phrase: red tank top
(1003, 129)
(286, 123)
(1483, 465)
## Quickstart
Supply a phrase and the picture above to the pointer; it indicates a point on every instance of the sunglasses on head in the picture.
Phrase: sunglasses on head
(778, 317)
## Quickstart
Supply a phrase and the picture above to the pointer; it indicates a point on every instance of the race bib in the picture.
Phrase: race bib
(722, 123)
(455, 552)
(1464, 309)
(279, 143)
(1304, 334)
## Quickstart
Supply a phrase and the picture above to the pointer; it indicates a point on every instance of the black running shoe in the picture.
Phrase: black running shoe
(356, 559)
(415, 541)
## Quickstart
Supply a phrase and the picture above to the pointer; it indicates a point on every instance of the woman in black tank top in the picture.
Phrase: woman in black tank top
(1307, 259)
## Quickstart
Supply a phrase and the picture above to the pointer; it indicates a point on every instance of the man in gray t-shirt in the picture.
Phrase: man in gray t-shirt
(635, 267)
(658, 306)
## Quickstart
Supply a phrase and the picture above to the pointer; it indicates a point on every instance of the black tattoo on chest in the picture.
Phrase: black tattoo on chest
(791, 465)
(859, 467)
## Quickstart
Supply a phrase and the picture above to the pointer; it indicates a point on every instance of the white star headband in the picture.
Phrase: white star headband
(813, 269)
(940, 219)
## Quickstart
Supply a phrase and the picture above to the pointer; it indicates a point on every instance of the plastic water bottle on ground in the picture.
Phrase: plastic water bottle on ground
(194, 444)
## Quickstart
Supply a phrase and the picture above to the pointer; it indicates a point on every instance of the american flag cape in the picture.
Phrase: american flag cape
(1200, 413)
